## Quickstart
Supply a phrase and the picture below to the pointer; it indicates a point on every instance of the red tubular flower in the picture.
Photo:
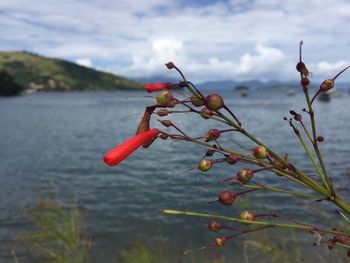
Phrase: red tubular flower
(156, 86)
(122, 151)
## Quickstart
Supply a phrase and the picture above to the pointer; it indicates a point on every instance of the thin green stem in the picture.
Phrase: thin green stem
(261, 223)
(314, 142)
(279, 190)
(309, 154)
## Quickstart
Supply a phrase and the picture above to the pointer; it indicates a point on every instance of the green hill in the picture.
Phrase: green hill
(39, 73)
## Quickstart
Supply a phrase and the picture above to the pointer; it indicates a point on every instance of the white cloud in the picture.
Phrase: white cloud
(84, 62)
(234, 39)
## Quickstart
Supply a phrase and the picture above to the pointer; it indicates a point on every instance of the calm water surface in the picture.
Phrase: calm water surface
(54, 143)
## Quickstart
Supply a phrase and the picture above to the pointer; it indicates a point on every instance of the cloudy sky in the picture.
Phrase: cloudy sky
(209, 40)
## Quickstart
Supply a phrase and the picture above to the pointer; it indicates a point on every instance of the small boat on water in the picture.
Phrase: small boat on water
(243, 90)
(291, 92)
(324, 96)
(327, 96)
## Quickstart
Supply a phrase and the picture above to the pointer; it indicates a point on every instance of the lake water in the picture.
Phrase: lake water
(54, 143)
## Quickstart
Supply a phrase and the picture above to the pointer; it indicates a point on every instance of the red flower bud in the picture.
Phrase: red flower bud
(197, 101)
(157, 86)
(232, 158)
(226, 197)
(212, 135)
(214, 226)
(220, 241)
(122, 151)
(260, 152)
(214, 101)
(245, 215)
(205, 165)
(341, 239)
(245, 175)
(206, 113)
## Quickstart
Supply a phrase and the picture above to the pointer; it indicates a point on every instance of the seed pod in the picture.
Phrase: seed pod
(300, 66)
(320, 139)
(214, 226)
(166, 123)
(205, 165)
(305, 81)
(260, 152)
(163, 112)
(163, 98)
(214, 101)
(245, 175)
(327, 85)
(210, 152)
(220, 241)
(298, 117)
(197, 101)
(170, 65)
(232, 158)
(245, 215)
(212, 135)
(206, 113)
(163, 136)
(226, 197)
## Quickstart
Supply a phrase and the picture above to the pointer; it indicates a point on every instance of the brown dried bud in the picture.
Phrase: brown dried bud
(220, 241)
(197, 101)
(163, 112)
(300, 66)
(232, 158)
(170, 65)
(214, 226)
(305, 81)
(214, 101)
(320, 139)
(327, 85)
(166, 123)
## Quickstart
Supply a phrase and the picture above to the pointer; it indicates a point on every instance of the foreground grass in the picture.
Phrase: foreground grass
(58, 235)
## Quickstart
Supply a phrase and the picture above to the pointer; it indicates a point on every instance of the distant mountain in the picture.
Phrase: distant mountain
(38, 73)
